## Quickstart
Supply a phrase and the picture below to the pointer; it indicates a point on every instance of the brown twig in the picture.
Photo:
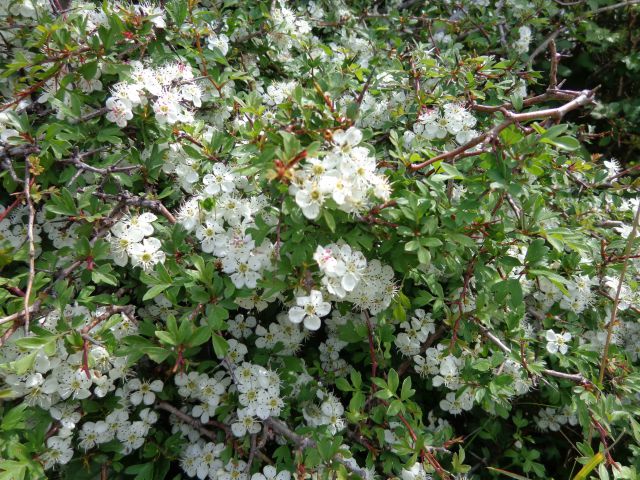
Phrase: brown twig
(77, 158)
(28, 182)
(585, 97)
(372, 349)
(127, 199)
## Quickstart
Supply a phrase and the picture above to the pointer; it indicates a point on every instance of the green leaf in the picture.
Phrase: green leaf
(23, 364)
(584, 472)
(100, 277)
(412, 246)
(14, 419)
(166, 337)
(325, 447)
(331, 223)
(200, 336)
(356, 378)
(220, 346)
(394, 408)
(216, 315)
(564, 143)
(343, 385)
(154, 291)
(406, 392)
(34, 342)
(536, 251)
(178, 10)
(430, 242)
(393, 380)
(157, 354)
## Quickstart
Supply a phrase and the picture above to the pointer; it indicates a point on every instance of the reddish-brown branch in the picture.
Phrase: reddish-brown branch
(463, 295)
(372, 348)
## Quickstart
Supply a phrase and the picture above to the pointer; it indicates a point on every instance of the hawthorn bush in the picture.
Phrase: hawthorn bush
(269, 240)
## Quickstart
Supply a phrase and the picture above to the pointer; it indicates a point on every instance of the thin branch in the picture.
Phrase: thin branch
(19, 151)
(372, 348)
(188, 419)
(616, 301)
(127, 199)
(77, 158)
(574, 377)
(252, 453)
(585, 97)
(281, 428)
(110, 311)
(8, 166)
(32, 249)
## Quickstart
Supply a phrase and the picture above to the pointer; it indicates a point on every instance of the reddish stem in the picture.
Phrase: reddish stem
(372, 350)
(85, 358)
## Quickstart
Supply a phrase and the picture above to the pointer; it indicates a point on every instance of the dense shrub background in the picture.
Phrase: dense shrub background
(319, 239)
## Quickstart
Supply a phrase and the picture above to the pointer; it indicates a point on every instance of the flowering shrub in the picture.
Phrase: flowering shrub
(261, 240)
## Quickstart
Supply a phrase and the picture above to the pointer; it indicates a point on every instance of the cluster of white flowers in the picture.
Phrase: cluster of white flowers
(522, 383)
(222, 228)
(521, 45)
(289, 335)
(342, 268)
(629, 336)
(330, 356)
(278, 92)
(346, 175)
(552, 419)
(415, 333)
(627, 298)
(579, 295)
(205, 390)
(328, 413)
(435, 123)
(181, 164)
(58, 380)
(378, 109)
(13, 226)
(61, 376)
(348, 276)
(271, 473)
(288, 31)
(259, 395)
(131, 238)
(168, 88)
(449, 373)
(455, 403)
(202, 460)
